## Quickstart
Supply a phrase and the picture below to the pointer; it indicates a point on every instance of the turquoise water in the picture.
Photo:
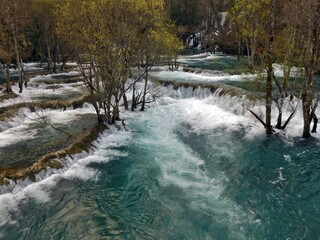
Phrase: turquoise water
(189, 168)
(177, 176)
(24, 141)
(225, 63)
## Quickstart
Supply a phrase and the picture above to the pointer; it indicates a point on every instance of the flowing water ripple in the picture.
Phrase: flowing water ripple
(196, 166)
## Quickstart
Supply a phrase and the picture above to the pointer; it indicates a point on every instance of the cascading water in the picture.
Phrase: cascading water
(195, 165)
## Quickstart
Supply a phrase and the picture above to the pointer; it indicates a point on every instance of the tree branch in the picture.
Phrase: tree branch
(42, 120)
(257, 117)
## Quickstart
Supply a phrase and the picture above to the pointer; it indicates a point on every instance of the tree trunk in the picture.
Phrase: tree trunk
(24, 80)
(125, 99)
(239, 48)
(253, 48)
(307, 96)
(99, 117)
(279, 121)
(306, 124)
(133, 102)
(248, 50)
(270, 60)
(49, 59)
(125, 102)
(286, 79)
(41, 57)
(289, 118)
(64, 63)
(8, 82)
(115, 113)
(315, 123)
(145, 87)
(6, 74)
(307, 103)
(55, 60)
(14, 35)
(269, 98)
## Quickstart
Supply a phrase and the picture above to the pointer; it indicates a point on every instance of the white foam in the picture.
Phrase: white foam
(180, 166)
(34, 92)
(14, 121)
(199, 58)
(181, 76)
(67, 116)
(52, 75)
(75, 167)
(37, 90)
(19, 128)
(235, 111)
(31, 66)
(16, 134)
(72, 64)
(278, 70)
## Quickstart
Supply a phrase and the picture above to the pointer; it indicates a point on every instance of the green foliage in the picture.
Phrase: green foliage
(185, 13)
(110, 37)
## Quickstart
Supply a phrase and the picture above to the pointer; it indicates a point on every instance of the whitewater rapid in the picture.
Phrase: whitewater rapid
(187, 148)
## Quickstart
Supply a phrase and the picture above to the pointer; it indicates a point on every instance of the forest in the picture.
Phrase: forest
(108, 39)
(159, 119)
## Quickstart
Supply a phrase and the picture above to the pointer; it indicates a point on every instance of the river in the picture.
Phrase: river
(195, 165)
